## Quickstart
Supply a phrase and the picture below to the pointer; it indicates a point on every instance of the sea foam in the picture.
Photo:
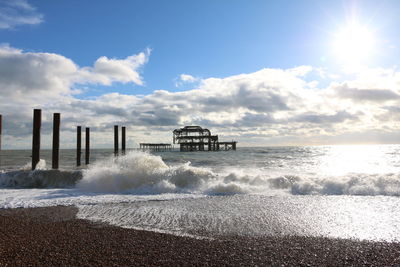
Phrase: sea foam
(144, 173)
(139, 172)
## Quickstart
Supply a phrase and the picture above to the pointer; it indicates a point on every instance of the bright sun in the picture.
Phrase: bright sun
(354, 44)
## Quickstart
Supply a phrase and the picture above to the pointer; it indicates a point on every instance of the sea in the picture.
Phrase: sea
(320, 191)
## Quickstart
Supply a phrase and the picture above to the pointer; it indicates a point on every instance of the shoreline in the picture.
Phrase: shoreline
(53, 236)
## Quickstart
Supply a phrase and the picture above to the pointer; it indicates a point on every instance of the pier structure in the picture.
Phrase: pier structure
(196, 138)
(160, 147)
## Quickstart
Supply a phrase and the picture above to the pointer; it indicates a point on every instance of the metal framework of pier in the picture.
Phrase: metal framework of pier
(156, 146)
(195, 138)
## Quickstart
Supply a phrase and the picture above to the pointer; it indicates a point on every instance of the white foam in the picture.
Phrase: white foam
(30, 198)
(258, 215)
(139, 172)
(142, 173)
(350, 184)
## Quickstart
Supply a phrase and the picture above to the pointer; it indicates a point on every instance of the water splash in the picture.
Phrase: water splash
(139, 172)
(143, 173)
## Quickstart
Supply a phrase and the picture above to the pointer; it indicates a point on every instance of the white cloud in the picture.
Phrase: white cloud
(365, 94)
(185, 79)
(46, 75)
(271, 106)
(106, 71)
(18, 12)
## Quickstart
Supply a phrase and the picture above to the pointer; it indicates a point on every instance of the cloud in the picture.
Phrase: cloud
(106, 71)
(185, 79)
(18, 12)
(269, 106)
(25, 75)
(316, 118)
(361, 94)
(35, 75)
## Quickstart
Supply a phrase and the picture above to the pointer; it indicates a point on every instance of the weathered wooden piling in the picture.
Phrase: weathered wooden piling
(87, 146)
(1, 120)
(123, 145)
(116, 140)
(78, 145)
(1, 117)
(56, 141)
(37, 121)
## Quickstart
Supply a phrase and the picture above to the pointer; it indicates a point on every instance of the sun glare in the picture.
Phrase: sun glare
(354, 44)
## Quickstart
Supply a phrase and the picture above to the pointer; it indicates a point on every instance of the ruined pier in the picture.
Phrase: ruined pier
(156, 147)
(196, 138)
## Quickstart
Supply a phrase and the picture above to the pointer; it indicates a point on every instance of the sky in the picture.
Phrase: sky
(259, 72)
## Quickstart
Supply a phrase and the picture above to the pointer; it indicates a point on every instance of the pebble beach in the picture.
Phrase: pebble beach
(53, 236)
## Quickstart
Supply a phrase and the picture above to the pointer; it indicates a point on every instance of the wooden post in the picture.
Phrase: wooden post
(1, 117)
(115, 140)
(37, 121)
(87, 146)
(78, 145)
(56, 140)
(123, 145)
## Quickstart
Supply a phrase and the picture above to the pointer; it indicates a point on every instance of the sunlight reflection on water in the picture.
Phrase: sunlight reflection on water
(340, 160)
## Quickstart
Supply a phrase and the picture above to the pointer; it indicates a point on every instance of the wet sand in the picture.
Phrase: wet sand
(53, 236)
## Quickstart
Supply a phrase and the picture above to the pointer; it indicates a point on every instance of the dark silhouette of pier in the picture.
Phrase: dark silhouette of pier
(156, 146)
(195, 138)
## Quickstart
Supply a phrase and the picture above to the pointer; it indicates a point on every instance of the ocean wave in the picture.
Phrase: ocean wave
(39, 179)
(140, 172)
(350, 184)
(143, 173)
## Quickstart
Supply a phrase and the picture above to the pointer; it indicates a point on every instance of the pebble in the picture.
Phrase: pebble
(52, 236)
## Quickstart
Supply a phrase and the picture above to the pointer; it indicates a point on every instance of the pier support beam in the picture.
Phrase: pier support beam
(56, 141)
(123, 145)
(156, 147)
(78, 145)
(87, 146)
(115, 140)
(37, 121)
(1, 117)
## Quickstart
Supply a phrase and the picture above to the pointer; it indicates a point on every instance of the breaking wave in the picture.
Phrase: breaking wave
(143, 173)
(351, 184)
(140, 172)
